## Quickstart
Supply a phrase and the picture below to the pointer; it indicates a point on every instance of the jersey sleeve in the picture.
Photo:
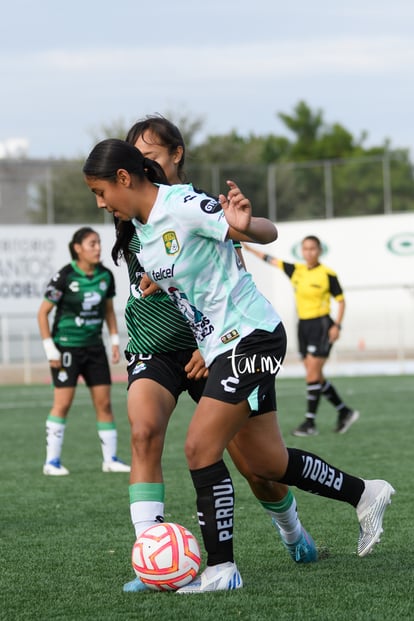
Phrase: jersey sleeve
(288, 268)
(55, 288)
(335, 287)
(202, 214)
(111, 288)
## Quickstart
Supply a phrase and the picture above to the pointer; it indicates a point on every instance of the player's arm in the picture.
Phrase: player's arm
(51, 351)
(110, 319)
(242, 225)
(337, 293)
(335, 329)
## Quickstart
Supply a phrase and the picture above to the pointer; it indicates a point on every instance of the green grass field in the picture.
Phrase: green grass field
(65, 543)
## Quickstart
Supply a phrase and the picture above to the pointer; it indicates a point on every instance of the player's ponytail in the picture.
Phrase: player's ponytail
(124, 232)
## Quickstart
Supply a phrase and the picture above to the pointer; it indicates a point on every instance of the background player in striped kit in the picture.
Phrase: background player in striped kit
(81, 294)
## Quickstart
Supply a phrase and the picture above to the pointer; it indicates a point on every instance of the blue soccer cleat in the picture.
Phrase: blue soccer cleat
(303, 550)
(135, 586)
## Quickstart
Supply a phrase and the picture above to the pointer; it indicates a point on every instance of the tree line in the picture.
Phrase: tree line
(321, 170)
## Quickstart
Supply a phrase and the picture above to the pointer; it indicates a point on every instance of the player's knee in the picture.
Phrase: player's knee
(192, 451)
(60, 411)
(251, 478)
(146, 437)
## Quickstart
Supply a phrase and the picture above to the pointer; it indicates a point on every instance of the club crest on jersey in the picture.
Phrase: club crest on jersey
(171, 242)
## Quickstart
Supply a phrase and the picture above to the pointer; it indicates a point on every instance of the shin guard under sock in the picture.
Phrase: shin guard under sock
(215, 508)
(313, 474)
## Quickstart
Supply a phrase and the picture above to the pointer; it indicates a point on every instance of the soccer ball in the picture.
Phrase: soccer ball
(166, 556)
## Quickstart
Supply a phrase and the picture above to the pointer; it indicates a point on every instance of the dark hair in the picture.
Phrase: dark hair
(314, 239)
(108, 156)
(168, 134)
(124, 231)
(78, 238)
(103, 162)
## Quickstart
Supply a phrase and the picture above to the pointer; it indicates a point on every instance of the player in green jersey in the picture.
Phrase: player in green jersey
(81, 294)
(239, 400)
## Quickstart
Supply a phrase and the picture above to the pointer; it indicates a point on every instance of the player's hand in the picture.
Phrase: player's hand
(147, 286)
(237, 208)
(334, 333)
(195, 368)
(55, 364)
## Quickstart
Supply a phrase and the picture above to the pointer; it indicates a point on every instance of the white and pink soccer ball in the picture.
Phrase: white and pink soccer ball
(166, 556)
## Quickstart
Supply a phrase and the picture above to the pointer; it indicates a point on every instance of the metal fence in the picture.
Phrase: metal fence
(53, 192)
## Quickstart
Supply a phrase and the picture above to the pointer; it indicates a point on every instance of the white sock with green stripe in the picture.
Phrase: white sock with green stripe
(55, 430)
(146, 505)
(109, 440)
(284, 514)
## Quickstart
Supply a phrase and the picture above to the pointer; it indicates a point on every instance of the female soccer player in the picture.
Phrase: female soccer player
(82, 294)
(184, 249)
(314, 284)
(163, 362)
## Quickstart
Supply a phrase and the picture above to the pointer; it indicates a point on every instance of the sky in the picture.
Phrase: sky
(69, 69)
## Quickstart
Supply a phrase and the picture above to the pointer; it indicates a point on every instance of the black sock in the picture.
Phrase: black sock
(313, 474)
(329, 392)
(215, 507)
(313, 394)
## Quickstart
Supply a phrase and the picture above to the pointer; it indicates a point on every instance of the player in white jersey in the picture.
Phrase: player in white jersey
(164, 361)
(243, 353)
(194, 263)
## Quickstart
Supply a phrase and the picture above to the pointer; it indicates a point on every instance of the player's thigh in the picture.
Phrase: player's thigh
(262, 447)
(211, 428)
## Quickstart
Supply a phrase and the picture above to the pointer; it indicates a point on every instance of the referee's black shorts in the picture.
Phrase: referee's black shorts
(313, 336)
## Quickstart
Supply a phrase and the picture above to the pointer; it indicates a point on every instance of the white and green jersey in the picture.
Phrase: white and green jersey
(185, 252)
